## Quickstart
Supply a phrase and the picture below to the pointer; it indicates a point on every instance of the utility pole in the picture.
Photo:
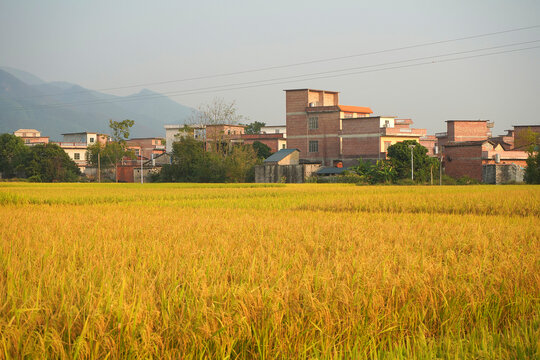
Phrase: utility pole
(412, 161)
(440, 170)
(140, 154)
(99, 167)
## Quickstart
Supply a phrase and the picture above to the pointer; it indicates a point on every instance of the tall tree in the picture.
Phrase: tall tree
(217, 112)
(12, 153)
(399, 155)
(50, 163)
(192, 163)
(254, 127)
(262, 150)
(531, 140)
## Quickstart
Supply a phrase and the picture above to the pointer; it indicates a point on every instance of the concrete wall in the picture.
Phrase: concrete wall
(147, 172)
(274, 173)
(500, 174)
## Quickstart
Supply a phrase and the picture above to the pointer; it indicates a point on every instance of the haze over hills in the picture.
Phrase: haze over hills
(26, 101)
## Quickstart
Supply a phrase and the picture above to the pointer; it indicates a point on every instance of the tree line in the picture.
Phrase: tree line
(40, 163)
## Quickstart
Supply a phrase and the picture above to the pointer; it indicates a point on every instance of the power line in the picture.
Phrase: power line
(303, 62)
(288, 79)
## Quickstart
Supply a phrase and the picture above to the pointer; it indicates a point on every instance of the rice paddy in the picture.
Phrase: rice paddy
(269, 271)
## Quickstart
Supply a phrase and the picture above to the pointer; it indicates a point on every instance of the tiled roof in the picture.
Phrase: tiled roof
(280, 155)
(331, 170)
(356, 109)
(469, 143)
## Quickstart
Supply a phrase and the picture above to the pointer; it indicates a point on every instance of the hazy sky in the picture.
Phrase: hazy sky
(102, 44)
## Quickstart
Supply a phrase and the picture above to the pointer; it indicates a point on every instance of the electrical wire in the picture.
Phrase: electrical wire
(301, 63)
(289, 79)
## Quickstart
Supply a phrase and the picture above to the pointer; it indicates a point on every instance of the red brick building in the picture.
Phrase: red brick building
(325, 131)
(149, 148)
(466, 158)
(468, 145)
(274, 141)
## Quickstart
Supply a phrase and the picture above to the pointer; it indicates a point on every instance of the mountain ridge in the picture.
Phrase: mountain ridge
(59, 107)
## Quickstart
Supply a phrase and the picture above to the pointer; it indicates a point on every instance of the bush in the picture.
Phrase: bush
(465, 180)
(447, 180)
(338, 179)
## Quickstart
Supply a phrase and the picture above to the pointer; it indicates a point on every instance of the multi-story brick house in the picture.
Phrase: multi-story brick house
(31, 136)
(466, 158)
(468, 145)
(275, 141)
(325, 131)
(148, 148)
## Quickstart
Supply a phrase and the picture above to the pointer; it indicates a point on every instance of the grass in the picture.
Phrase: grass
(282, 271)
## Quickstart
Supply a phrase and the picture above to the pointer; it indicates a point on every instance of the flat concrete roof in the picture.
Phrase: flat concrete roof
(82, 132)
(468, 120)
(327, 91)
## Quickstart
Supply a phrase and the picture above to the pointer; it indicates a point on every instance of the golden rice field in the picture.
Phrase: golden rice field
(272, 272)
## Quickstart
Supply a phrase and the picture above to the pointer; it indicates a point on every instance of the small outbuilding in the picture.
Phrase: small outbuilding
(284, 166)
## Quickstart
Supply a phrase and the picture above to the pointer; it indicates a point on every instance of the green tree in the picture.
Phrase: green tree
(254, 127)
(50, 163)
(373, 173)
(399, 155)
(12, 154)
(531, 140)
(120, 130)
(263, 151)
(192, 163)
(532, 171)
(240, 164)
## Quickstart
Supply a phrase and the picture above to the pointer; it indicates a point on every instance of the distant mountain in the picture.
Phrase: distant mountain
(60, 107)
(24, 76)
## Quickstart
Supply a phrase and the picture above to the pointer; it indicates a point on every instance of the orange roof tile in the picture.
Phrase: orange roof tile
(356, 109)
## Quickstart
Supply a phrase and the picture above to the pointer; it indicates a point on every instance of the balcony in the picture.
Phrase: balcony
(65, 144)
(387, 131)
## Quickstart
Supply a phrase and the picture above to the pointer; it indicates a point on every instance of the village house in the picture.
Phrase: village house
(284, 166)
(468, 146)
(148, 148)
(334, 134)
(31, 137)
(274, 141)
(76, 145)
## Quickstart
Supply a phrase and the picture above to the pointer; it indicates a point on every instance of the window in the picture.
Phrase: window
(91, 140)
(313, 123)
(314, 146)
(283, 146)
(77, 156)
(277, 131)
(386, 123)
